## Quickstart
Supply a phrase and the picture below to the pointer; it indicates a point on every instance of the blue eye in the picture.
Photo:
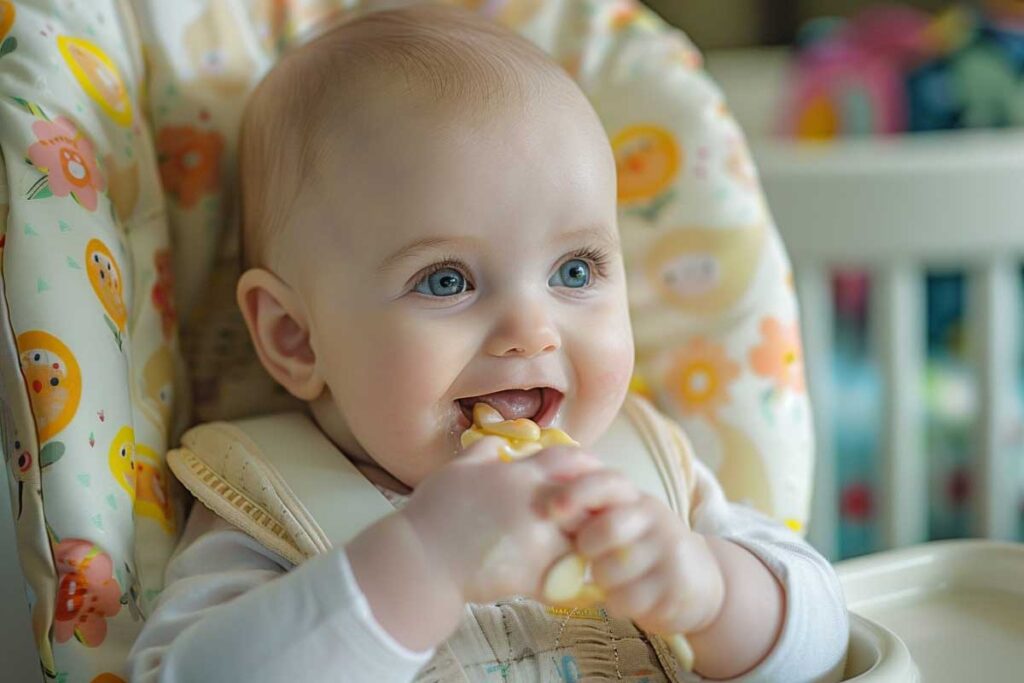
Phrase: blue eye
(574, 273)
(443, 282)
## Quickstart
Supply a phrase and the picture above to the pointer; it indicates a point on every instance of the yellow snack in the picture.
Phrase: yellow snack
(565, 584)
(522, 437)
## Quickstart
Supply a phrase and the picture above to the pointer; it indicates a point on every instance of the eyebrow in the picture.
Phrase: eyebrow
(596, 233)
(426, 244)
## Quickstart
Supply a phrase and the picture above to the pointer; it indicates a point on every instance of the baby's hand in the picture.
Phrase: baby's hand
(480, 522)
(652, 568)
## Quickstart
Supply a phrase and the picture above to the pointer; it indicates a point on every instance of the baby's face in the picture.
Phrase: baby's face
(474, 263)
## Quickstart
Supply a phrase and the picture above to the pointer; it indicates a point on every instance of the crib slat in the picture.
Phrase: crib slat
(994, 316)
(898, 323)
(814, 291)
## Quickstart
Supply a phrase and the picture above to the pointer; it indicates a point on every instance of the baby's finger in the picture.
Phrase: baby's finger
(628, 562)
(564, 463)
(637, 599)
(612, 528)
(591, 491)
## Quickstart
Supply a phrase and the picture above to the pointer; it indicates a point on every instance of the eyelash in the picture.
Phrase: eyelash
(598, 259)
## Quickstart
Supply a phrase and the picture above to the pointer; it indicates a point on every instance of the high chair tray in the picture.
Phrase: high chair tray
(957, 605)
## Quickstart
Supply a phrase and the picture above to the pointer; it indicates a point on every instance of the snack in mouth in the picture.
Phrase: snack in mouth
(567, 583)
(523, 437)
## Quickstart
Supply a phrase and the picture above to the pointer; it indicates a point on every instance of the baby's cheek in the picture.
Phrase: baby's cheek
(603, 379)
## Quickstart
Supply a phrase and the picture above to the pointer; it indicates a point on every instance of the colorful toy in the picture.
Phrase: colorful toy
(848, 77)
(893, 69)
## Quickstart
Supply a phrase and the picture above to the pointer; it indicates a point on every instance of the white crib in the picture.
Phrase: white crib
(897, 207)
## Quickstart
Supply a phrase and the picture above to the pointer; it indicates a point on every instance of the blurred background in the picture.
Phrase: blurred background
(717, 24)
(887, 139)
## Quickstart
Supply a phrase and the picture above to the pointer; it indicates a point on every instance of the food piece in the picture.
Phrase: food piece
(565, 580)
(522, 437)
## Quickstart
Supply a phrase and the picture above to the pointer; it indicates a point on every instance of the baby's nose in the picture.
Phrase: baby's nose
(524, 330)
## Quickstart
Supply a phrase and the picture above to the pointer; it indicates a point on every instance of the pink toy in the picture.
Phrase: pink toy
(850, 81)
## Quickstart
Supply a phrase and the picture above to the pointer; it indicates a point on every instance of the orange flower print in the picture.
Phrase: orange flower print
(780, 355)
(189, 162)
(87, 595)
(163, 292)
(700, 376)
(67, 157)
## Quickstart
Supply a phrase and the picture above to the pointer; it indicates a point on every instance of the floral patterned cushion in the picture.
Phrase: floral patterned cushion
(90, 371)
(117, 130)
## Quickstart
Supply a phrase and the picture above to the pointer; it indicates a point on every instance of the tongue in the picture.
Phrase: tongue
(512, 404)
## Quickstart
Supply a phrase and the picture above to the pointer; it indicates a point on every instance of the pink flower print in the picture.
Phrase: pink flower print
(66, 155)
(780, 355)
(87, 595)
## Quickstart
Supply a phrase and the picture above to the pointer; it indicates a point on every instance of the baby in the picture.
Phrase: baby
(429, 222)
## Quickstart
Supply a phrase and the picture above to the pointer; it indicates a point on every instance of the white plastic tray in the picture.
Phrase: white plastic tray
(958, 606)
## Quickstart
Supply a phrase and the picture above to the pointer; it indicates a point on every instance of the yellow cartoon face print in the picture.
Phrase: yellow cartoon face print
(647, 159)
(98, 76)
(158, 387)
(53, 379)
(121, 459)
(105, 278)
(704, 270)
(153, 491)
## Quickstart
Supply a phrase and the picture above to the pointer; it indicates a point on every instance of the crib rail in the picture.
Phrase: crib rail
(897, 208)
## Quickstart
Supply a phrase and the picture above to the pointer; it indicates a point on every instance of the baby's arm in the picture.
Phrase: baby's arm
(232, 611)
(811, 645)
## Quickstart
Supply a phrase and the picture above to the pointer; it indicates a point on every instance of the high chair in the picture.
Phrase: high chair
(118, 135)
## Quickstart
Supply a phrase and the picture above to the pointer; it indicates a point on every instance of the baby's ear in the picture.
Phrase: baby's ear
(279, 329)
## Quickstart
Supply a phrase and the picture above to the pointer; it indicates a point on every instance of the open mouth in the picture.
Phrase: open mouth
(539, 404)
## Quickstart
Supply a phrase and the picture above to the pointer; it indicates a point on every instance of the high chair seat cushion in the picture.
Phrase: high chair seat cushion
(118, 122)
(90, 357)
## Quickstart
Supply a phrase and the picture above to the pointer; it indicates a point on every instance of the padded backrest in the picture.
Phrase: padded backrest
(117, 129)
(89, 363)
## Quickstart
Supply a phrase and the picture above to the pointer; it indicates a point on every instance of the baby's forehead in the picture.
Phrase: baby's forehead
(370, 102)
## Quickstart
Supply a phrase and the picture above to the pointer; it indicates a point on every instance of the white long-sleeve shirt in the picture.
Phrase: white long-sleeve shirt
(234, 611)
